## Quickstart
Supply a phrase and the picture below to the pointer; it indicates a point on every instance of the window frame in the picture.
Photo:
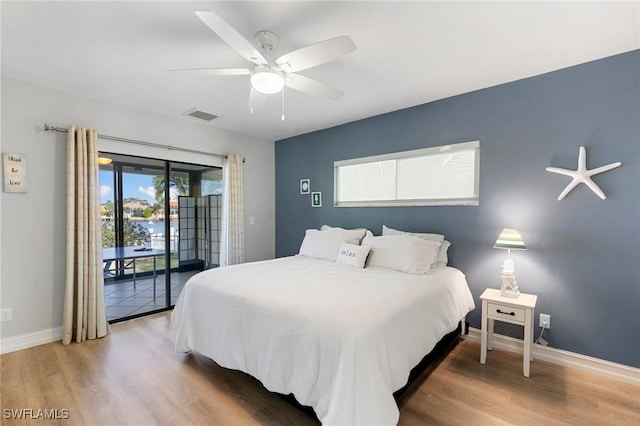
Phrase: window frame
(474, 200)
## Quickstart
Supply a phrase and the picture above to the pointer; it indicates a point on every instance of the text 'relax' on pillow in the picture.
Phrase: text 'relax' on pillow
(353, 255)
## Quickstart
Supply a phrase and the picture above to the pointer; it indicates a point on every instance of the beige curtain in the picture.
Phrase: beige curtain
(232, 241)
(84, 315)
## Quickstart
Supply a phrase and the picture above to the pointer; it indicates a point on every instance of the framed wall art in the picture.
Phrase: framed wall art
(305, 186)
(316, 199)
(15, 172)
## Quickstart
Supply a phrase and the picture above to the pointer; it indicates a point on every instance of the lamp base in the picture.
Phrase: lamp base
(509, 286)
(510, 293)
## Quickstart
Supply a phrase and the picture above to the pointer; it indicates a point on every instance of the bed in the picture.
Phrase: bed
(340, 338)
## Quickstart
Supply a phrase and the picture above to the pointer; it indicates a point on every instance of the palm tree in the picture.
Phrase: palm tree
(180, 183)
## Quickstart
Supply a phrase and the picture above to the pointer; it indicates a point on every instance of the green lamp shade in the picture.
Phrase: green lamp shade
(510, 239)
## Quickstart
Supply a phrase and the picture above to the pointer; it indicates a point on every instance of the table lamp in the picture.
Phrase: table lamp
(509, 239)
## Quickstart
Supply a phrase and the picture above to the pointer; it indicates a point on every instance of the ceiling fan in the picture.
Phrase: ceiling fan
(269, 76)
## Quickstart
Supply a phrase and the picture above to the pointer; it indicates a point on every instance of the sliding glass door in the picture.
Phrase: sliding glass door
(156, 234)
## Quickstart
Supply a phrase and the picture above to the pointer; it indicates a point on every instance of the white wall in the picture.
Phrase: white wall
(33, 224)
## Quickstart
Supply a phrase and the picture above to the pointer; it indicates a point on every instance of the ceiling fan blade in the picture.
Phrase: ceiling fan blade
(316, 54)
(232, 37)
(256, 100)
(214, 71)
(313, 87)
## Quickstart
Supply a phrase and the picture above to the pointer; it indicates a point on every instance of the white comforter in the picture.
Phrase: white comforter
(341, 339)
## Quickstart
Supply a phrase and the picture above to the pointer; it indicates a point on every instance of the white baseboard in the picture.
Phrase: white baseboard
(30, 340)
(611, 370)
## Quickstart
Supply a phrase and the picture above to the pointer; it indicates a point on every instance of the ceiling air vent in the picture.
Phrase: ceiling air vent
(200, 115)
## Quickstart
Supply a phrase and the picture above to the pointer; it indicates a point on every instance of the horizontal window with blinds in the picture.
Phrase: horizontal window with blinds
(442, 176)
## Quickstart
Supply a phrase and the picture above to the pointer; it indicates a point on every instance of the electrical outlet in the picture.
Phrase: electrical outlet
(545, 321)
(5, 314)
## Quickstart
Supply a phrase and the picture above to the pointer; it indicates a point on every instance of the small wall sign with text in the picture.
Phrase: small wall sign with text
(316, 199)
(15, 172)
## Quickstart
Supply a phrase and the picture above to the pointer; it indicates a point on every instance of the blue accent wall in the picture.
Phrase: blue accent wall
(583, 257)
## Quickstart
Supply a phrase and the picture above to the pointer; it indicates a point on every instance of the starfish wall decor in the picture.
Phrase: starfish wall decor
(582, 175)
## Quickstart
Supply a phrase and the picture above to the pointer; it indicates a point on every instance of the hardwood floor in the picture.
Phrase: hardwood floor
(133, 377)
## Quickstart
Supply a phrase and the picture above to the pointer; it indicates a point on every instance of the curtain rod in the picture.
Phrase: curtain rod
(48, 128)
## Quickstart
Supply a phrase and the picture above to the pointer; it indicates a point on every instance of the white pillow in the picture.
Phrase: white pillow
(402, 253)
(353, 255)
(361, 230)
(442, 259)
(325, 244)
(433, 237)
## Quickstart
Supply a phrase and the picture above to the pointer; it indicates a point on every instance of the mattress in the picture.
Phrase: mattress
(340, 339)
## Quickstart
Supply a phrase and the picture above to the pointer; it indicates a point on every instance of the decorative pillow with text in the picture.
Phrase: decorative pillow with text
(353, 255)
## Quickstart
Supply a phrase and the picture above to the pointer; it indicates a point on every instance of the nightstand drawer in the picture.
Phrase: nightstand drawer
(508, 312)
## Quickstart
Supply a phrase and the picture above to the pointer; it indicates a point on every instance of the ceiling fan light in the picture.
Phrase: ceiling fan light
(267, 81)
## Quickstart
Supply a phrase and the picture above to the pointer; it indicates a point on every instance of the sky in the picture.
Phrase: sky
(133, 186)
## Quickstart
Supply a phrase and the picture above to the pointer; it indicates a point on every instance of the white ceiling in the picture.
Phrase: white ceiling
(409, 53)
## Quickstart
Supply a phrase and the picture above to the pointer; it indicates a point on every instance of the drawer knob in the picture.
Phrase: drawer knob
(513, 314)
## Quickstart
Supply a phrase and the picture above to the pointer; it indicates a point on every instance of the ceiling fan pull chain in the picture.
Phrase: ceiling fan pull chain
(251, 98)
(283, 104)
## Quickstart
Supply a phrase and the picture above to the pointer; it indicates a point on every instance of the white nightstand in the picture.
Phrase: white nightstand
(513, 310)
